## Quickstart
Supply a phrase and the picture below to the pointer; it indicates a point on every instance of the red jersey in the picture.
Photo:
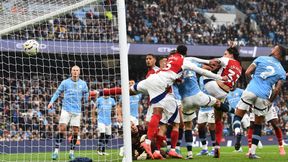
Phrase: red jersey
(152, 71)
(230, 68)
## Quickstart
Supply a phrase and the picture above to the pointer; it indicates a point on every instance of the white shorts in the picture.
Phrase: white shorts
(214, 90)
(206, 117)
(259, 105)
(271, 114)
(134, 120)
(154, 86)
(189, 117)
(245, 121)
(102, 128)
(67, 117)
(170, 110)
(149, 114)
(191, 103)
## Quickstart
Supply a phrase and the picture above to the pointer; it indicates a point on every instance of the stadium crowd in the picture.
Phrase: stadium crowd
(162, 21)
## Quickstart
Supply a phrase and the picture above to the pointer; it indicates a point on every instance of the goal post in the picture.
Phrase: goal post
(124, 80)
(86, 33)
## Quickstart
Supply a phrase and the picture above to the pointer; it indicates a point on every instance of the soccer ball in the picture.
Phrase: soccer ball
(31, 47)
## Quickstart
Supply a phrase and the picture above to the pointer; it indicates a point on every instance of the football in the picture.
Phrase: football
(31, 47)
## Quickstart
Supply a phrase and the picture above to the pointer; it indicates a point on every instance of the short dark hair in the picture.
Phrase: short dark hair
(182, 49)
(283, 50)
(150, 54)
(234, 51)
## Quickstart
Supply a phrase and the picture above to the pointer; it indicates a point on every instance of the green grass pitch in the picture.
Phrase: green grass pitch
(267, 154)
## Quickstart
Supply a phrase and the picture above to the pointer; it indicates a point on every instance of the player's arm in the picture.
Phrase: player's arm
(202, 61)
(119, 112)
(140, 110)
(276, 90)
(59, 90)
(250, 70)
(93, 113)
(86, 95)
(189, 65)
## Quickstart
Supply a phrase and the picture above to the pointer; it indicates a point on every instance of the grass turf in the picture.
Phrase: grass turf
(267, 154)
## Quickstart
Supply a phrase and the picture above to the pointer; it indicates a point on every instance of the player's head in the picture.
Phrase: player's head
(182, 49)
(162, 62)
(150, 60)
(131, 83)
(232, 52)
(75, 71)
(134, 128)
(279, 52)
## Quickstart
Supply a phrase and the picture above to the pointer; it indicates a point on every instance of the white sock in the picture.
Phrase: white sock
(168, 147)
(205, 147)
(56, 150)
(71, 152)
(190, 153)
(253, 149)
(147, 141)
(237, 131)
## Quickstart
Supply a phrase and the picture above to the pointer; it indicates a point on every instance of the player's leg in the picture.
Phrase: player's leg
(63, 122)
(260, 109)
(202, 136)
(168, 137)
(278, 132)
(211, 125)
(202, 121)
(181, 130)
(108, 133)
(256, 136)
(102, 131)
(243, 106)
(75, 123)
(188, 138)
(73, 142)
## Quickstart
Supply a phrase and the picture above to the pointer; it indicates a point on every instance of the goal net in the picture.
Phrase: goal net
(70, 32)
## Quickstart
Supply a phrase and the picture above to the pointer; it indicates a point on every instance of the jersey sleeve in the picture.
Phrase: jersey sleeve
(257, 60)
(85, 94)
(59, 90)
(191, 66)
(198, 60)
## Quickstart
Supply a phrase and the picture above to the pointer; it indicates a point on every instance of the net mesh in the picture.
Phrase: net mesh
(86, 36)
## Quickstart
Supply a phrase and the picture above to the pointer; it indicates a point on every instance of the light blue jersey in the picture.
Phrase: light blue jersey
(104, 109)
(190, 86)
(233, 97)
(73, 93)
(134, 104)
(268, 72)
(201, 86)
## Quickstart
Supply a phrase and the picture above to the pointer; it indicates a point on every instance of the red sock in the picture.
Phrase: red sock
(153, 125)
(278, 133)
(249, 137)
(174, 138)
(159, 141)
(218, 131)
(112, 91)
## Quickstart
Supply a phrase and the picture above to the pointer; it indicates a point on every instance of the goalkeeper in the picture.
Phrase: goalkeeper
(74, 90)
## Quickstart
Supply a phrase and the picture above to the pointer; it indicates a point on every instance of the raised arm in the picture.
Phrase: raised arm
(202, 61)
(189, 65)
(276, 90)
